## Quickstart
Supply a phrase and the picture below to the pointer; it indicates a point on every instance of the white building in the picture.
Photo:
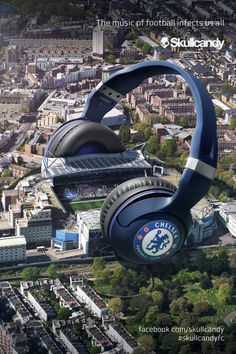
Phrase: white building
(12, 249)
(118, 333)
(94, 303)
(227, 214)
(114, 118)
(98, 41)
(108, 70)
(43, 309)
(204, 224)
(87, 72)
(89, 226)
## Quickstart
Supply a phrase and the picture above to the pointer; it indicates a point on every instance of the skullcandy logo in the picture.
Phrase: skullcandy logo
(192, 43)
(165, 42)
(157, 240)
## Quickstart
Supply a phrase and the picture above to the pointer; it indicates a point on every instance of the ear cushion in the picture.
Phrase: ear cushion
(127, 190)
(59, 133)
(69, 141)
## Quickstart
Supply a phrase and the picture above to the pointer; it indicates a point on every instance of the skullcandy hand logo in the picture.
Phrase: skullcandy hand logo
(165, 42)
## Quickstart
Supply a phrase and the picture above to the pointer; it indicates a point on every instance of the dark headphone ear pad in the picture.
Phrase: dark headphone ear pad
(127, 190)
(78, 135)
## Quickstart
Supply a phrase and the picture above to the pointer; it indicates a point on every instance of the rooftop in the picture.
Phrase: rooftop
(10, 193)
(91, 218)
(12, 241)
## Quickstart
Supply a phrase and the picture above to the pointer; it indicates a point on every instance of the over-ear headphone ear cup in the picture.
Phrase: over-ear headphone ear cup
(127, 190)
(77, 136)
(58, 135)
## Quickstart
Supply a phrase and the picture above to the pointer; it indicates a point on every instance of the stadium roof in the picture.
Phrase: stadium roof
(91, 218)
(131, 159)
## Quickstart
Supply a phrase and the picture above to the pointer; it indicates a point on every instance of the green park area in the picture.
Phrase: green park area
(185, 293)
(85, 205)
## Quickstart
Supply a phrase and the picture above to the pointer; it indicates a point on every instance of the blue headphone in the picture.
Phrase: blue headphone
(146, 219)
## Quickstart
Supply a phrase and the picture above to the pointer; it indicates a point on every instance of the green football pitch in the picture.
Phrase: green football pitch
(86, 205)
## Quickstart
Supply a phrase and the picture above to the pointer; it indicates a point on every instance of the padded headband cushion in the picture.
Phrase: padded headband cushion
(74, 137)
(127, 190)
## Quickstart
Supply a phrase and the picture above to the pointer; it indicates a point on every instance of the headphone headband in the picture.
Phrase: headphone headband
(201, 164)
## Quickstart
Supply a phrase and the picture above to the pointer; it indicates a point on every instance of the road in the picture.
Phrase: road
(16, 140)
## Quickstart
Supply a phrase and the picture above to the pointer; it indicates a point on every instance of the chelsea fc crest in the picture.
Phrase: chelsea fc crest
(157, 240)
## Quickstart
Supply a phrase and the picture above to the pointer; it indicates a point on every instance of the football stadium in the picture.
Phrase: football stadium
(82, 182)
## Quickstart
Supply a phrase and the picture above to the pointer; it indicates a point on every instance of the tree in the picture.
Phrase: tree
(146, 49)
(30, 273)
(164, 319)
(162, 57)
(116, 305)
(125, 60)
(219, 111)
(205, 282)
(185, 349)
(227, 88)
(110, 58)
(140, 305)
(168, 148)
(210, 347)
(233, 123)
(152, 145)
(184, 276)
(105, 275)
(174, 307)
(20, 160)
(147, 132)
(97, 267)
(202, 308)
(147, 343)
(214, 191)
(170, 343)
(151, 315)
(124, 134)
(187, 319)
(180, 305)
(157, 298)
(183, 122)
(52, 271)
(6, 173)
(63, 314)
(224, 294)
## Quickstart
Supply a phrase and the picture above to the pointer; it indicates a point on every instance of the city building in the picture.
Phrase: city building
(15, 212)
(71, 341)
(107, 71)
(204, 222)
(9, 196)
(66, 300)
(36, 226)
(22, 314)
(12, 250)
(117, 333)
(98, 339)
(91, 239)
(98, 41)
(227, 215)
(65, 240)
(12, 339)
(43, 308)
(89, 297)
